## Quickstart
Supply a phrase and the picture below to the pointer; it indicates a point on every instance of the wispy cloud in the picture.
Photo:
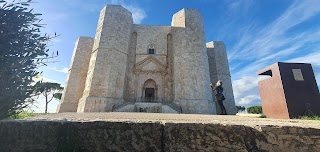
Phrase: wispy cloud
(138, 13)
(249, 100)
(233, 16)
(240, 7)
(63, 70)
(45, 79)
(246, 87)
(246, 91)
(313, 58)
(275, 36)
(55, 41)
(261, 46)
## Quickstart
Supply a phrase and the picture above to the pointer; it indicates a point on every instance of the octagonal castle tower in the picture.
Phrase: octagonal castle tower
(138, 68)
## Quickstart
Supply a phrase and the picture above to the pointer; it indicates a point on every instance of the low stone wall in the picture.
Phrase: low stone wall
(54, 136)
(156, 132)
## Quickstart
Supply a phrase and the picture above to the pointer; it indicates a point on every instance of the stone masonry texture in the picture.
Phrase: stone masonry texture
(118, 67)
(191, 74)
(102, 132)
(219, 70)
(77, 75)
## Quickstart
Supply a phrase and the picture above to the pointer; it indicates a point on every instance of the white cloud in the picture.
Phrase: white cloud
(250, 100)
(272, 38)
(233, 22)
(244, 85)
(63, 70)
(138, 13)
(265, 46)
(313, 58)
(56, 16)
(243, 6)
(262, 46)
(44, 79)
(246, 90)
(55, 40)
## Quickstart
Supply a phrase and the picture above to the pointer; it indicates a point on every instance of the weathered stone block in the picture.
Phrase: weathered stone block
(78, 132)
(59, 136)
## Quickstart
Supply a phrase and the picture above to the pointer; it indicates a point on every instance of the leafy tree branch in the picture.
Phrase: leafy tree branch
(23, 48)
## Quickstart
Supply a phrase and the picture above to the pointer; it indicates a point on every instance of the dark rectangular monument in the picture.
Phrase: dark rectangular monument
(291, 91)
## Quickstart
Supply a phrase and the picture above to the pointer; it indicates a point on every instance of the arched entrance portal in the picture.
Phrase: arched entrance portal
(150, 90)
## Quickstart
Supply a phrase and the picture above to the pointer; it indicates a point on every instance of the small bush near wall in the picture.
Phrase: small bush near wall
(255, 109)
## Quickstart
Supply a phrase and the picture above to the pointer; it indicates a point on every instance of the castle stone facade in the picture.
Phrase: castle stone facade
(139, 68)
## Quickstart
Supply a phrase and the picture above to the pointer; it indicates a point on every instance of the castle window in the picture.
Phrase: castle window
(151, 51)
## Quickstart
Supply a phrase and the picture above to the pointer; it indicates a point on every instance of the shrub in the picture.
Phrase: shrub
(255, 109)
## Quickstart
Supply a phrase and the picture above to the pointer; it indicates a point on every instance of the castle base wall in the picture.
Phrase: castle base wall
(67, 107)
(97, 104)
(196, 106)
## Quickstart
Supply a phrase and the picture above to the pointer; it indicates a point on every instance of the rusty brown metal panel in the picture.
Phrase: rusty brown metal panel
(292, 91)
(272, 95)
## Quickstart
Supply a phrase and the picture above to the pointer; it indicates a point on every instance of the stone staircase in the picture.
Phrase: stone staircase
(175, 107)
(128, 106)
(119, 106)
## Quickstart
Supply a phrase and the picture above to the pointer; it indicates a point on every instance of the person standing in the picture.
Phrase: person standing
(219, 96)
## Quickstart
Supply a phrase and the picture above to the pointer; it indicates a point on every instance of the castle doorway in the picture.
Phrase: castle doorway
(149, 90)
(149, 93)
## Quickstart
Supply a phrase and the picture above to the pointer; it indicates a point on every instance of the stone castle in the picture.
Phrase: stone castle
(139, 68)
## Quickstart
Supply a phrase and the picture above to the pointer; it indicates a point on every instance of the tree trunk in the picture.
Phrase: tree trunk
(46, 111)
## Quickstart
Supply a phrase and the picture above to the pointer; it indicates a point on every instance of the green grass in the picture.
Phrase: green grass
(308, 117)
(24, 115)
(263, 116)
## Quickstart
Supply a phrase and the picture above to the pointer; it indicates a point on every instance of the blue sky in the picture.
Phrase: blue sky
(257, 33)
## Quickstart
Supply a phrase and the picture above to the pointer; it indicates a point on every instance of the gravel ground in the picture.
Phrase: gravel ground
(176, 118)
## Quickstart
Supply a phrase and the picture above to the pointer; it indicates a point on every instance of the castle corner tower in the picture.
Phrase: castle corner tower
(191, 68)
